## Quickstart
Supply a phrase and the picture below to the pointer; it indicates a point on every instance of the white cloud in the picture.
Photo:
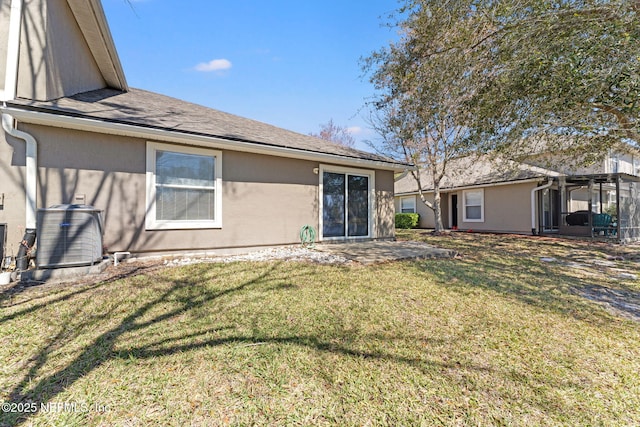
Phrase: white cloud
(354, 130)
(214, 65)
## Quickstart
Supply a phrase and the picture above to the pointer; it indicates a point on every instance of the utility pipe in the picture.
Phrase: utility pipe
(31, 181)
(533, 203)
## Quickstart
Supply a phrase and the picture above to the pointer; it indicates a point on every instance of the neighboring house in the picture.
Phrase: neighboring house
(169, 175)
(493, 195)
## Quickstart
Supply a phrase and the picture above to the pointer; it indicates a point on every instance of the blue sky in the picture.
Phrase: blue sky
(293, 64)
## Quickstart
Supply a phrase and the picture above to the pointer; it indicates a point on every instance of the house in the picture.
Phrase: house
(168, 175)
(486, 194)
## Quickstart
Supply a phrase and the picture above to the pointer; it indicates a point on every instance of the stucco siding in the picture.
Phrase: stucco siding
(507, 208)
(265, 199)
(385, 212)
(426, 219)
(55, 60)
(12, 189)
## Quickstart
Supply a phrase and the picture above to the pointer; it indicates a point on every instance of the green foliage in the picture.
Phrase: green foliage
(407, 220)
(514, 76)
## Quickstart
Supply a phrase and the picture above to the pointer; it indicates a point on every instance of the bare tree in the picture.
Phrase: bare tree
(335, 133)
(420, 108)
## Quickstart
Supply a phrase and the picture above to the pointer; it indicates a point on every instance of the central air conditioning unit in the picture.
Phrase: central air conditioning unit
(69, 235)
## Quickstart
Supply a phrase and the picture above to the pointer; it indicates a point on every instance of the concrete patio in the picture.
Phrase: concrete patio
(383, 251)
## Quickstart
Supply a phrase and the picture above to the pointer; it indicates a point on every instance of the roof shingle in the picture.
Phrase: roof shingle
(147, 109)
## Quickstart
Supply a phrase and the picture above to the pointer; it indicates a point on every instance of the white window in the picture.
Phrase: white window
(183, 187)
(473, 205)
(408, 204)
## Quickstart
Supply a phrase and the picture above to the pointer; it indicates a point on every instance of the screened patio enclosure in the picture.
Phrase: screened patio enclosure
(603, 206)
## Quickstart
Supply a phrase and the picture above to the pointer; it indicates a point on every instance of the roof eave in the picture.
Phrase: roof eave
(180, 137)
(480, 185)
(92, 21)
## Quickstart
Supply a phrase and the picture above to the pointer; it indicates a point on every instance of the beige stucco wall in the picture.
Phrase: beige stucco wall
(427, 217)
(385, 212)
(12, 191)
(49, 32)
(265, 199)
(507, 208)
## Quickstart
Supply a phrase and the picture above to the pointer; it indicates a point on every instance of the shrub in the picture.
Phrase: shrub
(407, 220)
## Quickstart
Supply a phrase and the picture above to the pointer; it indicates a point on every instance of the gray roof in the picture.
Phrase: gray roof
(151, 110)
(475, 171)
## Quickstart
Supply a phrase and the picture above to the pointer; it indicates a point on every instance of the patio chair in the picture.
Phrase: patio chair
(601, 222)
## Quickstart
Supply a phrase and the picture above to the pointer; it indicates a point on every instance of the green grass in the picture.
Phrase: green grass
(493, 337)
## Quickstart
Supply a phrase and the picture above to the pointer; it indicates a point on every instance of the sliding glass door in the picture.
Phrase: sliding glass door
(345, 205)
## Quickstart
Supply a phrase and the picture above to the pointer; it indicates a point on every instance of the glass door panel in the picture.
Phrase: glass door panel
(345, 208)
(333, 199)
(358, 205)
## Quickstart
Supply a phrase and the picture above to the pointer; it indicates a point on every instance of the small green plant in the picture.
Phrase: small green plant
(612, 210)
(407, 220)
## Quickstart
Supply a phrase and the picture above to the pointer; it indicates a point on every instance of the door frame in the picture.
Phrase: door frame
(371, 174)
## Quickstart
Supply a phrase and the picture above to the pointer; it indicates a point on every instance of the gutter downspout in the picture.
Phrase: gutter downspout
(533, 203)
(31, 181)
(402, 175)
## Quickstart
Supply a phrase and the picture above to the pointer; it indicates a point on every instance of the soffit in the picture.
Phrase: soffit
(93, 24)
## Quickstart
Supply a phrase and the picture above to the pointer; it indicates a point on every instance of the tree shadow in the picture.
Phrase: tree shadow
(184, 296)
(18, 288)
(549, 287)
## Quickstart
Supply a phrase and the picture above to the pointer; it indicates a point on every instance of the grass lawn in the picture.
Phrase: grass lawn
(493, 337)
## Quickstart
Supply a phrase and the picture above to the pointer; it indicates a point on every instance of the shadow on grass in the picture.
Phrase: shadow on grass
(102, 348)
(46, 296)
(529, 282)
(183, 296)
(186, 295)
(511, 266)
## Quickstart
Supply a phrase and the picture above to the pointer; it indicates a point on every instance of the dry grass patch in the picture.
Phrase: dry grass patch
(496, 337)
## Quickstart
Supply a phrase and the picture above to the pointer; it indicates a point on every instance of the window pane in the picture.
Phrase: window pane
(358, 197)
(474, 212)
(408, 205)
(184, 169)
(473, 198)
(182, 204)
(333, 197)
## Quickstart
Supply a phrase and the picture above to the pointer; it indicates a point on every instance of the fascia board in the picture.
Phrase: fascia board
(470, 187)
(162, 135)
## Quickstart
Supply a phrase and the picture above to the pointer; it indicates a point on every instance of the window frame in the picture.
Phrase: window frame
(347, 171)
(151, 223)
(465, 205)
(413, 201)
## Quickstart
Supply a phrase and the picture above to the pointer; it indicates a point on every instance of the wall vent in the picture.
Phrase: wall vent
(69, 235)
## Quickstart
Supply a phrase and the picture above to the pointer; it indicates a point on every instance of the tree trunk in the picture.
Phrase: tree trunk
(437, 210)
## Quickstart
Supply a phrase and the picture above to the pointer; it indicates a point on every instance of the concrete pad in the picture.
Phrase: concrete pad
(64, 273)
(383, 251)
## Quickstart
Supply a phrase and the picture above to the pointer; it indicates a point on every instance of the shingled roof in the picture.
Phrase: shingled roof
(151, 110)
(475, 171)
